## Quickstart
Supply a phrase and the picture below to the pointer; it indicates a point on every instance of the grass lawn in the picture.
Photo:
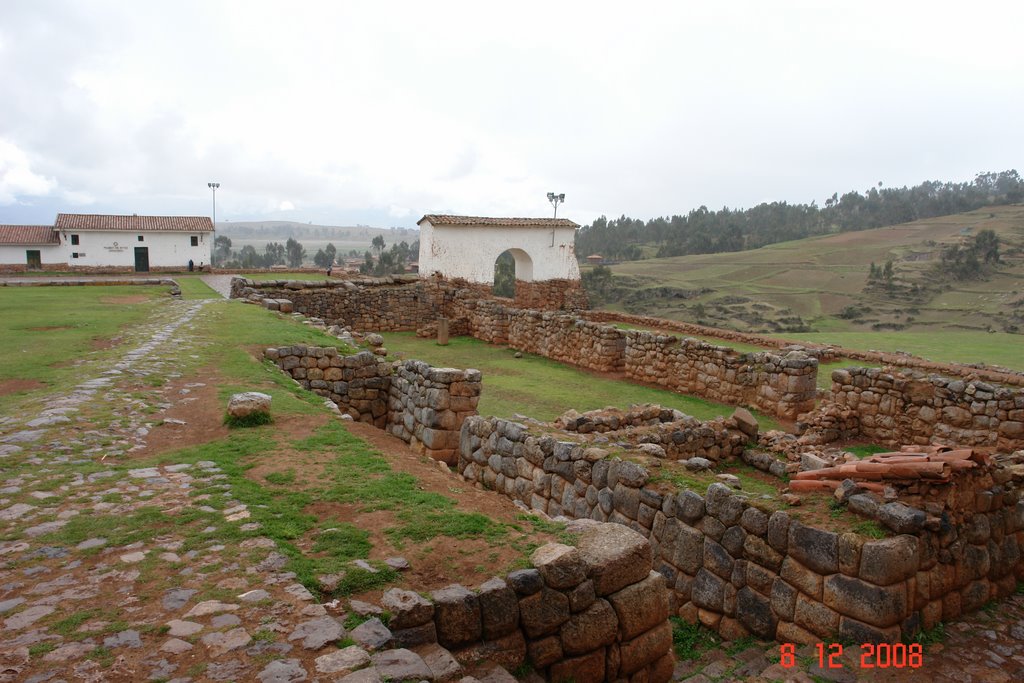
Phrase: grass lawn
(192, 287)
(44, 330)
(543, 388)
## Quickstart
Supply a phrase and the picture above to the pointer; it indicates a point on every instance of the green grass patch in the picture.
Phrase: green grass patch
(870, 528)
(281, 478)
(254, 419)
(543, 388)
(866, 450)
(931, 636)
(40, 649)
(343, 542)
(122, 529)
(192, 288)
(690, 641)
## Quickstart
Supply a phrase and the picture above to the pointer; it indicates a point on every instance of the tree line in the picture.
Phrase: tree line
(292, 254)
(703, 231)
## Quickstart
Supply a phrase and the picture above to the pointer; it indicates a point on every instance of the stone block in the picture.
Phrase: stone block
(816, 617)
(853, 631)
(544, 652)
(778, 531)
(708, 591)
(542, 613)
(615, 556)
(561, 566)
(757, 550)
(508, 651)
(689, 549)
(499, 608)
(755, 612)
(407, 608)
(717, 559)
(582, 596)
(880, 606)
(590, 629)
(721, 503)
(645, 649)
(816, 548)
(590, 667)
(783, 599)
(456, 616)
(641, 606)
(802, 578)
(890, 560)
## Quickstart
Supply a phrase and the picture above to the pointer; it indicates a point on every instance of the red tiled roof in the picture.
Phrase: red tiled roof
(28, 234)
(444, 219)
(88, 221)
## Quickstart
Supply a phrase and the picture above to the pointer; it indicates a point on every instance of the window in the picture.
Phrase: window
(195, 240)
(140, 238)
(74, 254)
(74, 240)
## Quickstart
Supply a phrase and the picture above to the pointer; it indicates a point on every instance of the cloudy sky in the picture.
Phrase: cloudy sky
(378, 112)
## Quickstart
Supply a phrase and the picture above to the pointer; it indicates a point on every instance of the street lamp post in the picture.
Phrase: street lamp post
(555, 200)
(214, 186)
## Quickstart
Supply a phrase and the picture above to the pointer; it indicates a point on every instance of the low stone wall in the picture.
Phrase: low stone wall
(781, 385)
(740, 568)
(551, 295)
(591, 613)
(427, 406)
(897, 408)
(422, 405)
(784, 386)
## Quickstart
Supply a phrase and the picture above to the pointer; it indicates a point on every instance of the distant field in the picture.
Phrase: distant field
(949, 347)
(806, 284)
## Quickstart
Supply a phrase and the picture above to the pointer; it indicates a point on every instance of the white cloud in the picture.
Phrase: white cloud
(355, 109)
(17, 179)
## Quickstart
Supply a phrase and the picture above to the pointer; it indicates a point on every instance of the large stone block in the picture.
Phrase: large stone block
(508, 651)
(615, 556)
(560, 565)
(876, 605)
(708, 591)
(807, 581)
(816, 548)
(641, 606)
(816, 617)
(545, 651)
(542, 613)
(457, 616)
(890, 560)
(407, 608)
(645, 649)
(721, 503)
(593, 628)
(499, 608)
(755, 612)
(589, 668)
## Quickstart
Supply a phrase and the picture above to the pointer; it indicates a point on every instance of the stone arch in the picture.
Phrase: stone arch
(524, 264)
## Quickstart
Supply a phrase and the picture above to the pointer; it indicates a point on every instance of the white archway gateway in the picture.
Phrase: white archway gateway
(467, 247)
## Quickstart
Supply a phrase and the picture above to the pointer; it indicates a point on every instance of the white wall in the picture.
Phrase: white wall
(166, 249)
(15, 255)
(469, 251)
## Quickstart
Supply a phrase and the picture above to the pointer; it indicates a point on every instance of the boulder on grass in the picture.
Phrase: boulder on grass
(245, 404)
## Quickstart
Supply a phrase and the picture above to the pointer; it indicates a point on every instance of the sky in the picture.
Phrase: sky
(345, 113)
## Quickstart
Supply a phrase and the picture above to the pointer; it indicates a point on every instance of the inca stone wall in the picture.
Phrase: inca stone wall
(898, 408)
(551, 295)
(782, 385)
(740, 568)
(591, 613)
(422, 405)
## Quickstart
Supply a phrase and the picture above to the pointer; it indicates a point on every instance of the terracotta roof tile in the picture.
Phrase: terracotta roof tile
(88, 221)
(445, 219)
(28, 234)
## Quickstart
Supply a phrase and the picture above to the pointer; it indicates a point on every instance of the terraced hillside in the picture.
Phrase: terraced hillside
(821, 284)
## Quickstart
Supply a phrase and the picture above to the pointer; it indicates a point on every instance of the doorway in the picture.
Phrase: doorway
(141, 259)
(33, 259)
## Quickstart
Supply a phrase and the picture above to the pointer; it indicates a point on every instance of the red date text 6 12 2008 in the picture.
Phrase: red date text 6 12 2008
(872, 655)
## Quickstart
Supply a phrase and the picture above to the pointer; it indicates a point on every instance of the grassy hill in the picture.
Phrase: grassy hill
(820, 284)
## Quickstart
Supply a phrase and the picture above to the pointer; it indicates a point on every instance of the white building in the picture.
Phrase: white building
(467, 247)
(85, 242)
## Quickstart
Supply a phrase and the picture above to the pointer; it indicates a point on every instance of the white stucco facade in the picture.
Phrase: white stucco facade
(89, 242)
(116, 249)
(467, 247)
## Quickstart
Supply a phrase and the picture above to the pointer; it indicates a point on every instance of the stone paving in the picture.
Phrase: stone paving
(86, 598)
(219, 283)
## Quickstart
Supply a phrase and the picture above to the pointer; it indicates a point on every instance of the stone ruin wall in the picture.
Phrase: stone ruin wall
(591, 613)
(784, 386)
(823, 352)
(912, 408)
(422, 405)
(781, 386)
(739, 569)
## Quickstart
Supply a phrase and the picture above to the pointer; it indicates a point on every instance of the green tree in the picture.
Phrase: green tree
(986, 244)
(332, 254)
(295, 253)
(505, 275)
(273, 254)
(378, 243)
(221, 249)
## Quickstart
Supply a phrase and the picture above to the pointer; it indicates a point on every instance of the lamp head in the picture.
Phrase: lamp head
(551, 196)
